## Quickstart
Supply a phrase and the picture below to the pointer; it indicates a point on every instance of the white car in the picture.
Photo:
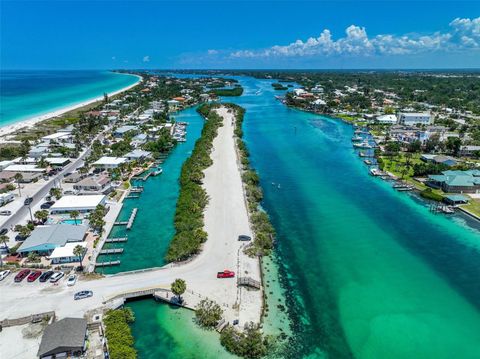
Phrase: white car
(4, 274)
(71, 280)
(56, 277)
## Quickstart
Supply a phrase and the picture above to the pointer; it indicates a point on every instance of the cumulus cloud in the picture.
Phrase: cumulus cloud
(146, 58)
(463, 34)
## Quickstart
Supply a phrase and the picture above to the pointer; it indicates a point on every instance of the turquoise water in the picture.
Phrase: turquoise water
(368, 272)
(26, 94)
(153, 227)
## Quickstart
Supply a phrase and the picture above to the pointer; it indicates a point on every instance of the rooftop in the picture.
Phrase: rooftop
(78, 202)
(54, 236)
(66, 334)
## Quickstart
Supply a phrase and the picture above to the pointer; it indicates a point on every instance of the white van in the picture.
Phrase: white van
(56, 277)
(6, 198)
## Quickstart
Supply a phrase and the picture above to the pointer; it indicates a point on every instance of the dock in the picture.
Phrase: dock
(116, 240)
(132, 218)
(111, 251)
(248, 282)
(136, 190)
(107, 264)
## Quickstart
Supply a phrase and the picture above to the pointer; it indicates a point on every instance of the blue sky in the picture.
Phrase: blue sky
(239, 34)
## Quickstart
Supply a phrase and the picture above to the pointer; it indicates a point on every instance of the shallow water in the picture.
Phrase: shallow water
(26, 94)
(367, 272)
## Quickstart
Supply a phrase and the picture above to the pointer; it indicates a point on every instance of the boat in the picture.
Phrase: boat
(357, 138)
(363, 144)
(377, 172)
(367, 162)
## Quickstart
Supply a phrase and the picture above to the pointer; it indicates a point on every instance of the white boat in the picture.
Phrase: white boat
(357, 139)
(363, 144)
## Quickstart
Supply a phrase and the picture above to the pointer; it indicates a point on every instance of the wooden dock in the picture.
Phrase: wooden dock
(132, 218)
(107, 264)
(248, 282)
(111, 251)
(116, 240)
(136, 189)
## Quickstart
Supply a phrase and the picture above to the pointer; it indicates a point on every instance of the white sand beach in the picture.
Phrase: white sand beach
(8, 129)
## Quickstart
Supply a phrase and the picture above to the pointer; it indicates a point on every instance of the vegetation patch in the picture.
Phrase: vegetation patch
(428, 193)
(236, 91)
(189, 233)
(119, 335)
(250, 343)
(208, 313)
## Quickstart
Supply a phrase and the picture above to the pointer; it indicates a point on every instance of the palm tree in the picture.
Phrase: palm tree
(78, 252)
(18, 177)
(41, 215)
(179, 287)
(74, 215)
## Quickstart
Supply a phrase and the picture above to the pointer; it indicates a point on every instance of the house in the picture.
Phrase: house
(74, 177)
(82, 204)
(44, 239)
(456, 181)
(414, 118)
(121, 131)
(138, 140)
(24, 168)
(66, 254)
(64, 339)
(58, 137)
(441, 159)
(109, 162)
(5, 164)
(57, 161)
(386, 119)
(100, 184)
(468, 150)
(37, 152)
(137, 155)
(455, 199)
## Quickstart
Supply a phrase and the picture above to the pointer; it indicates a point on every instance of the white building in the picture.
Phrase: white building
(109, 162)
(58, 137)
(82, 204)
(387, 119)
(415, 118)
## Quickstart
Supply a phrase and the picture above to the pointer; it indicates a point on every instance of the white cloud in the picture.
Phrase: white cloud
(464, 34)
(146, 58)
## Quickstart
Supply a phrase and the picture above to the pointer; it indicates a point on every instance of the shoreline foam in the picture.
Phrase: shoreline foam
(29, 122)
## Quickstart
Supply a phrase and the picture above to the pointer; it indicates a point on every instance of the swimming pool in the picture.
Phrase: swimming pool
(71, 221)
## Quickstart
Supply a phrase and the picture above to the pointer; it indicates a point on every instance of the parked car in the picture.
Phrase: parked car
(3, 231)
(56, 277)
(4, 274)
(71, 280)
(28, 201)
(83, 294)
(5, 213)
(32, 277)
(226, 274)
(21, 275)
(244, 237)
(46, 276)
(47, 205)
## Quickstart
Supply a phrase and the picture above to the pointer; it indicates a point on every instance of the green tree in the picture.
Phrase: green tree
(78, 251)
(41, 215)
(453, 144)
(4, 241)
(32, 256)
(74, 215)
(178, 287)
(208, 313)
(56, 192)
(18, 177)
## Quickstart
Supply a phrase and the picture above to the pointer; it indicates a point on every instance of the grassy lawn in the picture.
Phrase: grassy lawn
(473, 206)
(396, 164)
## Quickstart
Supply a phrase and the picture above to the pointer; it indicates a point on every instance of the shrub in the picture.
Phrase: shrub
(208, 313)
(118, 333)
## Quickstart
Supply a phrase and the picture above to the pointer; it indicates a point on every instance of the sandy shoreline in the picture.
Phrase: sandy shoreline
(29, 122)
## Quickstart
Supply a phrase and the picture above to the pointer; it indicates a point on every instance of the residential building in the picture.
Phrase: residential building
(456, 181)
(469, 150)
(121, 131)
(82, 204)
(99, 184)
(414, 118)
(137, 155)
(66, 338)
(387, 119)
(107, 162)
(44, 239)
(441, 159)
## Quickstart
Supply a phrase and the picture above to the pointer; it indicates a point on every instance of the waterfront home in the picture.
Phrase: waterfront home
(99, 184)
(414, 118)
(65, 254)
(82, 204)
(386, 119)
(469, 150)
(139, 140)
(107, 162)
(173, 105)
(455, 199)
(121, 131)
(58, 137)
(66, 338)
(441, 159)
(138, 155)
(44, 239)
(456, 181)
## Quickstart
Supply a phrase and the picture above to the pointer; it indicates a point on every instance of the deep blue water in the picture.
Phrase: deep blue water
(26, 94)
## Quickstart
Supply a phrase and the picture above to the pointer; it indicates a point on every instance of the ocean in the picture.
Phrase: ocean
(27, 94)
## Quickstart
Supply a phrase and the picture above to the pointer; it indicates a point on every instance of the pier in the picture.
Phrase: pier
(107, 264)
(111, 251)
(116, 240)
(128, 223)
(248, 282)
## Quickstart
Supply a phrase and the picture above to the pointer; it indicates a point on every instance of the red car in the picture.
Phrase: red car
(21, 275)
(34, 275)
(226, 274)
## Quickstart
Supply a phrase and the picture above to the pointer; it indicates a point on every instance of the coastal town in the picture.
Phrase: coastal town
(64, 193)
